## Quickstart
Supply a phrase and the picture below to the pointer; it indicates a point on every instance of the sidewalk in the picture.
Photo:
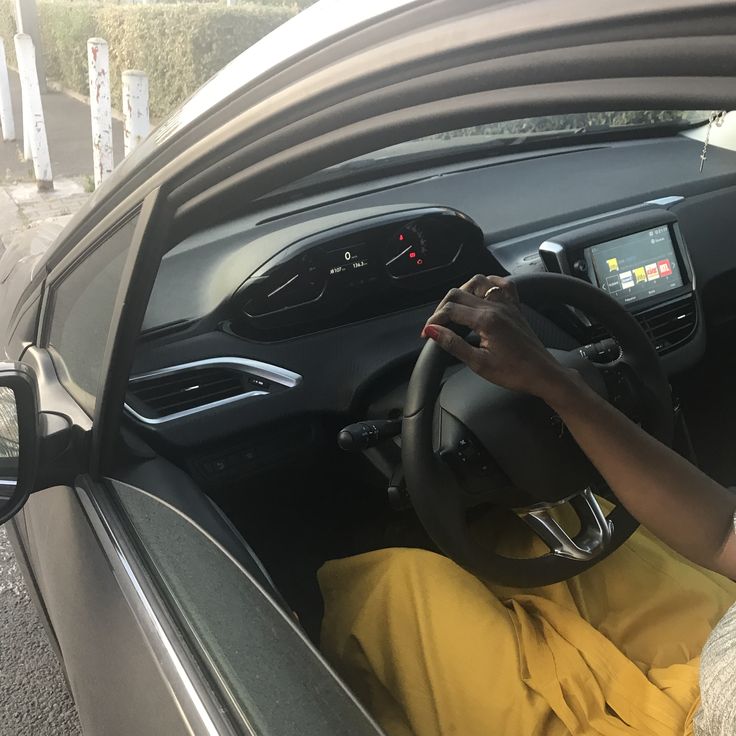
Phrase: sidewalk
(27, 213)
(24, 211)
(69, 133)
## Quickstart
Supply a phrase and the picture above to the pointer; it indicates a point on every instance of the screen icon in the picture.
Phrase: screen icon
(612, 264)
(627, 280)
(652, 271)
(640, 274)
(665, 267)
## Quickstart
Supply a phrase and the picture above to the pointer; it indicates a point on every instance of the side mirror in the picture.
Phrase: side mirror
(19, 437)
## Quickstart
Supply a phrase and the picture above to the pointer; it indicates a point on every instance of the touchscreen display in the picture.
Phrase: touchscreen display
(636, 266)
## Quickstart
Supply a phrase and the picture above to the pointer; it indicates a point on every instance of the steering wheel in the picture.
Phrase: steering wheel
(467, 442)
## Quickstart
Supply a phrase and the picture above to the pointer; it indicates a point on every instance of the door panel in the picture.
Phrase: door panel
(113, 672)
(270, 677)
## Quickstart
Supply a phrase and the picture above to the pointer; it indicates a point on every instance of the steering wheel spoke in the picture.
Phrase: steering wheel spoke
(590, 542)
(479, 477)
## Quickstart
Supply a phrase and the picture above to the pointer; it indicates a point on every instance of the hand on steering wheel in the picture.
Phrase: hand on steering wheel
(509, 354)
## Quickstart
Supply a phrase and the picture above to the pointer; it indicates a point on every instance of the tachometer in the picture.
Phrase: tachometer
(412, 251)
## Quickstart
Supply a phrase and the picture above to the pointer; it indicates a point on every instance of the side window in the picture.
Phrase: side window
(82, 304)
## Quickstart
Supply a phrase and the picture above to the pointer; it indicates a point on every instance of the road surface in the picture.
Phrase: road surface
(35, 700)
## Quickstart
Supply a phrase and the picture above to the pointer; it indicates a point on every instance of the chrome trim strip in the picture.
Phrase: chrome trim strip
(195, 410)
(273, 373)
(666, 201)
(263, 370)
(176, 664)
(558, 253)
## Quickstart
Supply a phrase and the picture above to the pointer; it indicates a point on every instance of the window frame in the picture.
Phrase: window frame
(136, 282)
(56, 280)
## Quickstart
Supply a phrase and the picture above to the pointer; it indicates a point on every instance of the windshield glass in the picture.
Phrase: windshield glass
(575, 123)
(544, 128)
(510, 136)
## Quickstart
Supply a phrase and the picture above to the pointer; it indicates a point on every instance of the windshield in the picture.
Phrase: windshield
(523, 134)
(548, 127)
(576, 123)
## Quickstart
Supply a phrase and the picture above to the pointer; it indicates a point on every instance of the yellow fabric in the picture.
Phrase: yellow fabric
(614, 652)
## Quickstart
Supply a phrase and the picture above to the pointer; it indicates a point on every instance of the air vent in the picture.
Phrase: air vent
(172, 393)
(666, 325)
(177, 392)
(671, 324)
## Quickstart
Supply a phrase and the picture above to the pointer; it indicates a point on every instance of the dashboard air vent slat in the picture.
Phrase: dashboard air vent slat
(670, 325)
(666, 325)
(167, 394)
(179, 391)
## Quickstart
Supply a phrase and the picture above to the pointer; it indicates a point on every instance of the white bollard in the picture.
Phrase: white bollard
(25, 114)
(98, 59)
(27, 127)
(6, 105)
(35, 127)
(135, 108)
(19, 16)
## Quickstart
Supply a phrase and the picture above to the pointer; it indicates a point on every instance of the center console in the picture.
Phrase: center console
(641, 260)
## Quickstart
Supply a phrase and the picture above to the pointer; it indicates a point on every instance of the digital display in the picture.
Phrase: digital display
(347, 260)
(636, 267)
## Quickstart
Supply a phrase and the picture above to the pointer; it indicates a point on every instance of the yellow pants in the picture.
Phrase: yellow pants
(430, 650)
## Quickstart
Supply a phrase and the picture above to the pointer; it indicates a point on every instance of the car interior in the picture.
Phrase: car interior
(277, 348)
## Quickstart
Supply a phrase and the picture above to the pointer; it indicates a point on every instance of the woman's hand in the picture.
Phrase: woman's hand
(510, 354)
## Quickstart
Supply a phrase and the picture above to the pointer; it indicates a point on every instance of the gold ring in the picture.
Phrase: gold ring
(491, 290)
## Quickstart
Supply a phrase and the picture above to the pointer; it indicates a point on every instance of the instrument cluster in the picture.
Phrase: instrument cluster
(365, 269)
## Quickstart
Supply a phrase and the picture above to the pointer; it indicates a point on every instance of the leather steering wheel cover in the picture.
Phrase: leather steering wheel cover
(543, 288)
(428, 478)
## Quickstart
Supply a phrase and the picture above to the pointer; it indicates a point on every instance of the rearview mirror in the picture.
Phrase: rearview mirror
(18, 437)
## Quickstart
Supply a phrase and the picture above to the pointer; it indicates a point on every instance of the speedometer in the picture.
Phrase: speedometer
(414, 250)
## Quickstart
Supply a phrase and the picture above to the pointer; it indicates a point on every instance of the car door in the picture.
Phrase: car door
(164, 620)
(112, 665)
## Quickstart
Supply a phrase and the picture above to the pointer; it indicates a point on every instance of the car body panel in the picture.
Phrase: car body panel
(114, 675)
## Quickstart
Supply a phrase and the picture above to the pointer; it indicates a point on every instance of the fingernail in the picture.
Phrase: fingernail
(432, 332)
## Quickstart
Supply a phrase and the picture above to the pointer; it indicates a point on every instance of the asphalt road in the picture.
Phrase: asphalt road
(34, 700)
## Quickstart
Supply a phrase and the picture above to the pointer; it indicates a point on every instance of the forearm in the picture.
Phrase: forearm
(668, 495)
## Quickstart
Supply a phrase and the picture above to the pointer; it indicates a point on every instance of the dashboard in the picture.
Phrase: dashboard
(318, 303)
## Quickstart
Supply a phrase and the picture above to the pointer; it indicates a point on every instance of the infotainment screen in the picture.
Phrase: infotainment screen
(637, 266)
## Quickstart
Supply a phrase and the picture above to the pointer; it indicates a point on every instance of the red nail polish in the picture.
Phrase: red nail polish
(432, 332)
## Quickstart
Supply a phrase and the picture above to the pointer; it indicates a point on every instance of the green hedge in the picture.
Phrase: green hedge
(7, 28)
(179, 46)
